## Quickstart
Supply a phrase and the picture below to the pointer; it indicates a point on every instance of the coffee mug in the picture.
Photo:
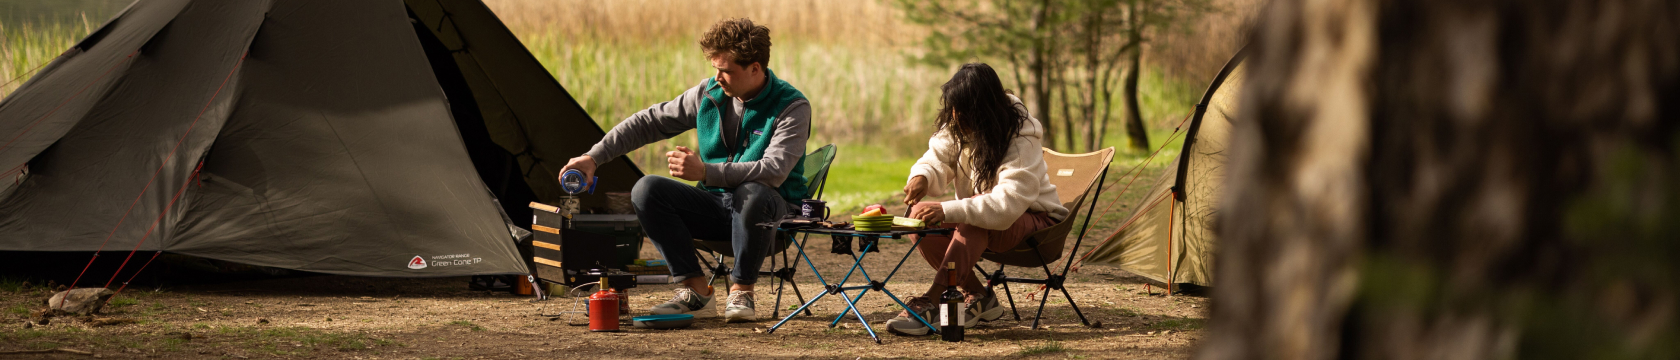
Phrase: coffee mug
(813, 209)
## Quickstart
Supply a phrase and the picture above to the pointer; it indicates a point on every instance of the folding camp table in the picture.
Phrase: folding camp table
(840, 288)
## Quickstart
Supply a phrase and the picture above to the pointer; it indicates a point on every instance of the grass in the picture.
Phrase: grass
(1177, 324)
(1046, 348)
(301, 340)
(122, 301)
(14, 284)
(466, 324)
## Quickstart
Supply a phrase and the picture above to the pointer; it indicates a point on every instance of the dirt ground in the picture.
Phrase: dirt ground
(324, 316)
(381, 318)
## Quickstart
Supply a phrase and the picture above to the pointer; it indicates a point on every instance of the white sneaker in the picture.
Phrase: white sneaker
(686, 301)
(739, 307)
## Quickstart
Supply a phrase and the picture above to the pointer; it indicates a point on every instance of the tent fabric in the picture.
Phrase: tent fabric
(310, 135)
(519, 101)
(1172, 240)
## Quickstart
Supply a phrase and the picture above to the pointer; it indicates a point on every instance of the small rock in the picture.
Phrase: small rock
(1194, 306)
(1166, 332)
(81, 301)
(28, 324)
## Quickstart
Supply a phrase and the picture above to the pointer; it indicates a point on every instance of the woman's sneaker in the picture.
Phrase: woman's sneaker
(739, 307)
(987, 307)
(686, 301)
(906, 325)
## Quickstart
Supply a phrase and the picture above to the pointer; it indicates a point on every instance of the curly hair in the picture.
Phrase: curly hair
(746, 42)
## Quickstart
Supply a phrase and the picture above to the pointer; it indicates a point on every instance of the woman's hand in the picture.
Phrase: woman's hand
(915, 190)
(929, 212)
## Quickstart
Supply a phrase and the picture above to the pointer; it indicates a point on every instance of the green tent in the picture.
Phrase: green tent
(352, 137)
(1172, 236)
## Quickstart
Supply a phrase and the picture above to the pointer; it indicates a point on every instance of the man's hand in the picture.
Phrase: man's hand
(915, 190)
(929, 212)
(685, 164)
(582, 163)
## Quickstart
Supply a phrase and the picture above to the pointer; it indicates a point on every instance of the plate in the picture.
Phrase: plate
(670, 321)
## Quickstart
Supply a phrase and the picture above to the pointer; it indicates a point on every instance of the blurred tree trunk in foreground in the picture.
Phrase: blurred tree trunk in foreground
(1452, 179)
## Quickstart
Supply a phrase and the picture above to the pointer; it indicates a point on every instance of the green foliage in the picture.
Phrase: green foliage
(1064, 57)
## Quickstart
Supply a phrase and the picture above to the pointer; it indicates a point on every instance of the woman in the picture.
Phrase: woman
(989, 149)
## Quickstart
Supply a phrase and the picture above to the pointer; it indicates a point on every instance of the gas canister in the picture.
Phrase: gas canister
(603, 309)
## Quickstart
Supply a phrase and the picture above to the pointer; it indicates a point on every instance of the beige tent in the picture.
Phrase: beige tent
(1172, 236)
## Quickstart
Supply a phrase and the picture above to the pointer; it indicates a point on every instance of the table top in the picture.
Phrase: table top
(811, 228)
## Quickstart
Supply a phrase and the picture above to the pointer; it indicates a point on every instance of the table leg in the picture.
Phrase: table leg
(857, 266)
(865, 323)
(852, 303)
(796, 312)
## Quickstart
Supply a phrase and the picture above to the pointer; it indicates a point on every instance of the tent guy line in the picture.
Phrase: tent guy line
(161, 165)
(27, 74)
(1134, 173)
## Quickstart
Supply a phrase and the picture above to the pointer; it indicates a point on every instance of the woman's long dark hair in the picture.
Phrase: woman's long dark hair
(977, 112)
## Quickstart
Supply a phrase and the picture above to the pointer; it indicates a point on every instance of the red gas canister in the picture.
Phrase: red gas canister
(603, 309)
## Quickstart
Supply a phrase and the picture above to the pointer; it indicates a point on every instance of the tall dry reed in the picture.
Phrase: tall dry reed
(26, 47)
(835, 22)
(848, 57)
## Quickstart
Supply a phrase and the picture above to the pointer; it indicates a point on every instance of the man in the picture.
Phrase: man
(752, 129)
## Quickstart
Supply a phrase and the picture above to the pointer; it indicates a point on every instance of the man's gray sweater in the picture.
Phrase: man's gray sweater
(671, 118)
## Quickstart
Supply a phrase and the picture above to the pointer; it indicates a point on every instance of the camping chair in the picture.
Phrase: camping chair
(816, 175)
(1074, 175)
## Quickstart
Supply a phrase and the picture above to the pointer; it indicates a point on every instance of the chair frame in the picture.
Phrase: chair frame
(1051, 280)
(783, 275)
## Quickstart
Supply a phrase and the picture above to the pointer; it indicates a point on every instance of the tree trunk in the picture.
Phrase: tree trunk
(1093, 62)
(1448, 179)
(1135, 132)
(1041, 86)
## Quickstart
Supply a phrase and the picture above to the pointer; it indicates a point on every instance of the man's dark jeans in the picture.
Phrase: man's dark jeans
(674, 214)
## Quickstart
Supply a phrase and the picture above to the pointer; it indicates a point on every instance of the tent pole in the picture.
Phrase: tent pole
(1170, 207)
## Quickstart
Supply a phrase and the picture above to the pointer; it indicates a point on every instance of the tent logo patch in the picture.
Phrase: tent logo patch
(417, 263)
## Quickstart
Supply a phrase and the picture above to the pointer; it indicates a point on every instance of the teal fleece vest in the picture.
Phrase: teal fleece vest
(758, 125)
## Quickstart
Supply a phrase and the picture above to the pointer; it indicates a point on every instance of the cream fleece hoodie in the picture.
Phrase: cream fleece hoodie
(1023, 180)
